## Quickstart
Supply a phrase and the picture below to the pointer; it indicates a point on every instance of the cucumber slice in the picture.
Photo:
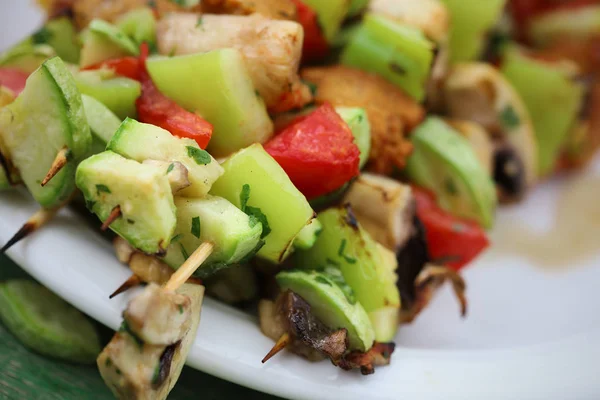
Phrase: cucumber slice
(60, 34)
(118, 94)
(471, 21)
(331, 14)
(142, 142)
(444, 162)
(345, 245)
(217, 86)
(212, 219)
(103, 123)
(545, 87)
(143, 193)
(358, 121)
(6, 97)
(26, 56)
(385, 322)
(329, 304)
(47, 324)
(47, 117)
(308, 235)
(140, 25)
(399, 53)
(357, 6)
(104, 41)
(254, 177)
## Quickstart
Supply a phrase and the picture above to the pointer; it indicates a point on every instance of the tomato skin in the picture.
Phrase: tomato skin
(455, 240)
(317, 151)
(13, 79)
(128, 67)
(315, 45)
(157, 109)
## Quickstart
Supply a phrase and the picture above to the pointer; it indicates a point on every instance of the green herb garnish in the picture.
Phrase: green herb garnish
(349, 260)
(509, 118)
(200, 156)
(176, 238)
(171, 166)
(196, 227)
(256, 215)
(102, 189)
(184, 252)
(42, 36)
(199, 22)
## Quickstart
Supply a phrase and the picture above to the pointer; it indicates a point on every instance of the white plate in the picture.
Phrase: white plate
(531, 333)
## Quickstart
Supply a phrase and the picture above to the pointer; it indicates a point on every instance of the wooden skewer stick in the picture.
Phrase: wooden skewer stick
(62, 158)
(131, 282)
(112, 217)
(281, 344)
(189, 266)
(36, 221)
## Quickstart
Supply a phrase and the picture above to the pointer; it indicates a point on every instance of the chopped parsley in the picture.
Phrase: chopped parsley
(179, 2)
(126, 329)
(196, 227)
(180, 308)
(102, 189)
(184, 252)
(397, 68)
(509, 118)
(171, 166)
(256, 215)
(199, 23)
(335, 275)
(200, 156)
(176, 238)
(151, 3)
(42, 36)
(108, 362)
(450, 187)
(341, 249)
(89, 204)
(322, 280)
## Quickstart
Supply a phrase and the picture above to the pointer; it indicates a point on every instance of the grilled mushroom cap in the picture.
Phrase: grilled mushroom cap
(478, 92)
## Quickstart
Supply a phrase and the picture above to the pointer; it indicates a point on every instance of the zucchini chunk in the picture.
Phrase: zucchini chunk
(213, 219)
(399, 53)
(217, 86)
(330, 305)
(444, 162)
(345, 245)
(140, 142)
(255, 183)
(142, 192)
(48, 117)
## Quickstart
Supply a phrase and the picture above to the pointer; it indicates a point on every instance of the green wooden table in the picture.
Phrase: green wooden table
(27, 376)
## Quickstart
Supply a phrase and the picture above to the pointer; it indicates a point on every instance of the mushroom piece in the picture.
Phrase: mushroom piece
(290, 317)
(391, 112)
(157, 316)
(419, 277)
(176, 172)
(384, 207)
(479, 93)
(135, 369)
(271, 48)
(309, 337)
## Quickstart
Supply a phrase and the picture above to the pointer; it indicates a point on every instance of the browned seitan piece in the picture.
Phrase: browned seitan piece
(391, 112)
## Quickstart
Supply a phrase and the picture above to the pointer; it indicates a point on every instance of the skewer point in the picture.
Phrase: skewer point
(281, 344)
(62, 158)
(113, 216)
(131, 282)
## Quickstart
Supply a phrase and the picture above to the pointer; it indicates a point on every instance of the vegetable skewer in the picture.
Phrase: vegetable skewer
(145, 357)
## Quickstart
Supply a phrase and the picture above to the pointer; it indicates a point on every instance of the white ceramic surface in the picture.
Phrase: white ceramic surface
(531, 333)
